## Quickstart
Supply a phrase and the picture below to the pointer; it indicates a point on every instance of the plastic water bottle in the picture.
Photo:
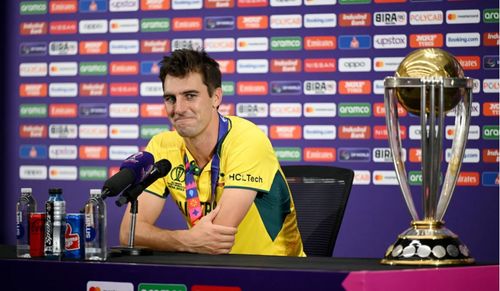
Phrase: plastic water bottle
(96, 244)
(24, 207)
(55, 223)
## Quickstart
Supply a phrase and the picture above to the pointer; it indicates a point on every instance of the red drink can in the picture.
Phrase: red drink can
(37, 234)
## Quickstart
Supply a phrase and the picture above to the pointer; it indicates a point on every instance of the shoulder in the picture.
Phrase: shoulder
(165, 140)
(243, 127)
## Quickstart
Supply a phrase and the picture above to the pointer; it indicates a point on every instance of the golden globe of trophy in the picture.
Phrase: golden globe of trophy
(429, 83)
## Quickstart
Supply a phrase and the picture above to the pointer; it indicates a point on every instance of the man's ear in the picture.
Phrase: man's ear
(217, 97)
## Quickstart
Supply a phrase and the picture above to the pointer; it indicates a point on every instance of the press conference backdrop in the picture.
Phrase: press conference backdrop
(85, 95)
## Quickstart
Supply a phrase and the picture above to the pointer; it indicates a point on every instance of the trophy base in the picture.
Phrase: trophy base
(428, 243)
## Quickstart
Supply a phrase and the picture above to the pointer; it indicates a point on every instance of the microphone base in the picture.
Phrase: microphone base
(130, 251)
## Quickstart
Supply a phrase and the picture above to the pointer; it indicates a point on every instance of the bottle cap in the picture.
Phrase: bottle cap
(55, 191)
(95, 192)
(26, 190)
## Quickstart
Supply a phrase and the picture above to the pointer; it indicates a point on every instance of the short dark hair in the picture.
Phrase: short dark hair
(182, 62)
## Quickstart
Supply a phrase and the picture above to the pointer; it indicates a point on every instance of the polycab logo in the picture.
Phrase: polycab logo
(124, 131)
(63, 89)
(252, 3)
(98, 47)
(252, 44)
(463, 16)
(124, 68)
(361, 177)
(490, 39)
(355, 19)
(93, 131)
(319, 154)
(63, 27)
(474, 132)
(60, 7)
(286, 65)
(286, 87)
(33, 131)
(33, 28)
(252, 88)
(154, 46)
(320, 109)
(286, 132)
(148, 5)
(34, 90)
(320, 42)
(469, 62)
(93, 26)
(320, 20)
(219, 22)
(285, 110)
(62, 152)
(286, 21)
(354, 132)
(463, 39)
(153, 110)
(384, 155)
(491, 109)
(387, 64)
(379, 110)
(63, 131)
(63, 69)
(252, 66)
(491, 156)
(123, 89)
(187, 4)
(390, 18)
(63, 48)
(33, 69)
(187, 43)
(355, 65)
(119, 47)
(354, 42)
(93, 152)
(283, 3)
(389, 41)
(426, 40)
(320, 132)
(380, 132)
(227, 66)
(320, 65)
(124, 110)
(123, 5)
(490, 85)
(29, 172)
(348, 87)
(470, 155)
(121, 153)
(187, 24)
(129, 25)
(219, 3)
(252, 109)
(252, 22)
(63, 110)
(353, 154)
(468, 179)
(219, 44)
(432, 17)
(385, 178)
(153, 89)
(63, 173)
(320, 87)
(93, 89)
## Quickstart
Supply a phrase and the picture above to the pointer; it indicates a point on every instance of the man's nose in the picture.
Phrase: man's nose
(180, 105)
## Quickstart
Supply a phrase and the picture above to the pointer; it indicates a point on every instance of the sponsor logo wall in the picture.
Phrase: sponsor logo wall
(309, 73)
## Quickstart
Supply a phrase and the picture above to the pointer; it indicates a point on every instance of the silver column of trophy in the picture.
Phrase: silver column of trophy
(429, 83)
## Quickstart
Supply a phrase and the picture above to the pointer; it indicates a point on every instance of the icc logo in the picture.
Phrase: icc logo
(177, 173)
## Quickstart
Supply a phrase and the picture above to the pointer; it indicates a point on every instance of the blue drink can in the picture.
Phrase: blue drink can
(74, 236)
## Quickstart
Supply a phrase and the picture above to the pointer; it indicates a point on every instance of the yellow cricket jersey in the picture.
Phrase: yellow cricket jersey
(247, 160)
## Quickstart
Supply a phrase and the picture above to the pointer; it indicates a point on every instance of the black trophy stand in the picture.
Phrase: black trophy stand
(131, 250)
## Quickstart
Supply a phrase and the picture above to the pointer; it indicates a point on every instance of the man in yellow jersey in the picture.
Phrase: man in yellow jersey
(225, 176)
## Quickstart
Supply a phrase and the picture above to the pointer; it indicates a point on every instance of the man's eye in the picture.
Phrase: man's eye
(169, 99)
(190, 96)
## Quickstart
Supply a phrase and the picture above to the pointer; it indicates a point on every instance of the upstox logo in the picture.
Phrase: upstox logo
(292, 43)
(490, 132)
(354, 110)
(490, 15)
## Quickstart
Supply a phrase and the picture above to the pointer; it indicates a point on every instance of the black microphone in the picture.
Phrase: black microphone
(160, 169)
(132, 170)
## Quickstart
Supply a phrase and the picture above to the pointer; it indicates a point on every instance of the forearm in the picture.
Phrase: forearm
(157, 238)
